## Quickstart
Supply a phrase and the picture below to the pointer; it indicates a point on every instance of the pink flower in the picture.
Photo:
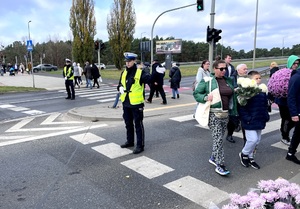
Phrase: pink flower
(282, 205)
(279, 81)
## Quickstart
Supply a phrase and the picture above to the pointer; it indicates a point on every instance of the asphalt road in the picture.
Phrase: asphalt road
(59, 162)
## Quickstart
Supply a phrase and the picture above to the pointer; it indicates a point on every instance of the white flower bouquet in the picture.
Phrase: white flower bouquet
(248, 88)
(278, 194)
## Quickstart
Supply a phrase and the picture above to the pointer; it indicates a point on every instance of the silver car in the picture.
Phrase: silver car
(45, 67)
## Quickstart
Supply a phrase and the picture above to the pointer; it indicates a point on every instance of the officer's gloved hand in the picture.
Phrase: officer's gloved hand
(66, 78)
(121, 89)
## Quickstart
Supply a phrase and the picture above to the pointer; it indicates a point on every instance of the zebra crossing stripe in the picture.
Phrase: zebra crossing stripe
(112, 150)
(197, 191)
(147, 167)
(87, 138)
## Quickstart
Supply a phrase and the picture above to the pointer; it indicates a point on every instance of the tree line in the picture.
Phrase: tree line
(55, 52)
(120, 28)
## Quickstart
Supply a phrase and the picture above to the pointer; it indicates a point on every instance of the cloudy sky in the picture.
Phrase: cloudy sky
(278, 21)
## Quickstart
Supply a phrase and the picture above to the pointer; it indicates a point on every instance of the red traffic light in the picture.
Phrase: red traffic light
(96, 45)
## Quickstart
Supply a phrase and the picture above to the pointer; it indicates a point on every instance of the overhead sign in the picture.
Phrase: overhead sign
(29, 45)
(168, 46)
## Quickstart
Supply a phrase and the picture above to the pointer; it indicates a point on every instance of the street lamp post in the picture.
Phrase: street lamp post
(33, 85)
(141, 48)
(255, 34)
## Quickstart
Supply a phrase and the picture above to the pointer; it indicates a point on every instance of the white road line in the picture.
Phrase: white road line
(7, 106)
(280, 145)
(112, 150)
(33, 112)
(19, 109)
(26, 139)
(106, 100)
(197, 191)
(100, 97)
(147, 167)
(49, 120)
(13, 137)
(20, 124)
(99, 94)
(87, 138)
(183, 118)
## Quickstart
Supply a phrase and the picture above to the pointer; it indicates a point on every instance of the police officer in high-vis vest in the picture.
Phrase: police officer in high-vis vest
(131, 88)
(68, 73)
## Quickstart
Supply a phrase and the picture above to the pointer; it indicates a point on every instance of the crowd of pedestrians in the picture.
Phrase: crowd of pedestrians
(229, 114)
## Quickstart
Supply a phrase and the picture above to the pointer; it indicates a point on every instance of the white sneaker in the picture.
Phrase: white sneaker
(286, 142)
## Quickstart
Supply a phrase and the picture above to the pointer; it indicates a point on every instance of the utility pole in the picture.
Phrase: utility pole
(157, 19)
(255, 33)
(211, 44)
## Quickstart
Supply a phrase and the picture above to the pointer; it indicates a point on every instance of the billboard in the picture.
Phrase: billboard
(168, 46)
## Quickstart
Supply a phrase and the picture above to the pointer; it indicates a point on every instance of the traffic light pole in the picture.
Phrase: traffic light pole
(157, 19)
(211, 44)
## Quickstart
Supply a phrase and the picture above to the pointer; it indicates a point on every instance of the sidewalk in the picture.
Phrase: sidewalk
(38, 79)
(102, 112)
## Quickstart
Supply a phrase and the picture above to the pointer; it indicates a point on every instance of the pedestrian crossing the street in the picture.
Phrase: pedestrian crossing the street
(187, 186)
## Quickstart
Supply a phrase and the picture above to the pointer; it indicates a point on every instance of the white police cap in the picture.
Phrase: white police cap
(130, 56)
(68, 60)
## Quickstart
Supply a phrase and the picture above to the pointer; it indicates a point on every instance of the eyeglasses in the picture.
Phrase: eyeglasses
(296, 63)
(221, 68)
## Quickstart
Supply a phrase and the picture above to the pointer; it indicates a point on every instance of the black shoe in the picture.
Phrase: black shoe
(127, 145)
(230, 139)
(157, 96)
(163, 103)
(177, 96)
(138, 150)
(73, 98)
(292, 158)
(172, 97)
(244, 159)
(68, 98)
(253, 164)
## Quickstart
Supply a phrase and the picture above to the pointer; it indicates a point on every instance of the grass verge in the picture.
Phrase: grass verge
(17, 89)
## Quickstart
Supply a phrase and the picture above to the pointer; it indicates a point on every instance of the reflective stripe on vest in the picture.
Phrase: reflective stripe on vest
(67, 74)
(136, 92)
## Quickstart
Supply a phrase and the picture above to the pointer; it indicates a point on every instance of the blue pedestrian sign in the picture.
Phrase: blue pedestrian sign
(29, 45)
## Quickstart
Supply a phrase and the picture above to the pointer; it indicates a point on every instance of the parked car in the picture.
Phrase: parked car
(102, 66)
(46, 67)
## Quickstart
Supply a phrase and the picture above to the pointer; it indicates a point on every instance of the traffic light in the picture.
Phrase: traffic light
(213, 34)
(102, 46)
(209, 34)
(216, 35)
(200, 6)
(96, 45)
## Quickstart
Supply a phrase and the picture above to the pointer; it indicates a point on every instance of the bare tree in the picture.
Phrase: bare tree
(120, 26)
(83, 27)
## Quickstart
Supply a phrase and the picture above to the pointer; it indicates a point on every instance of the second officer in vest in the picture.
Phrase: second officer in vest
(68, 74)
(131, 87)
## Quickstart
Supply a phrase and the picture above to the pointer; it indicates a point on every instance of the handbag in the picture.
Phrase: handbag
(100, 79)
(202, 111)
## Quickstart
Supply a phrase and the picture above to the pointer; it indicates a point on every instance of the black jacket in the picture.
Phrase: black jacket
(175, 76)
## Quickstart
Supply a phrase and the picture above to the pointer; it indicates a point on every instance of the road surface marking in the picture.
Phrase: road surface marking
(87, 138)
(112, 150)
(33, 112)
(26, 139)
(50, 120)
(197, 191)
(147, 167)
(183, 118)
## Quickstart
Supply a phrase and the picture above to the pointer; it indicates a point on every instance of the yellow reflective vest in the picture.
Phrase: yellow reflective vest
(136, 92)
(68, 72)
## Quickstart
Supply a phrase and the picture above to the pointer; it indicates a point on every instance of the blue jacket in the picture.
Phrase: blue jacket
(294, 93)
(254, 115)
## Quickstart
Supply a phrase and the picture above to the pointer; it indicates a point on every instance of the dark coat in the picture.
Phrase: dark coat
(95, 72)
(254, 115)
(175, 76)
(294, 93)
(155, 76)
